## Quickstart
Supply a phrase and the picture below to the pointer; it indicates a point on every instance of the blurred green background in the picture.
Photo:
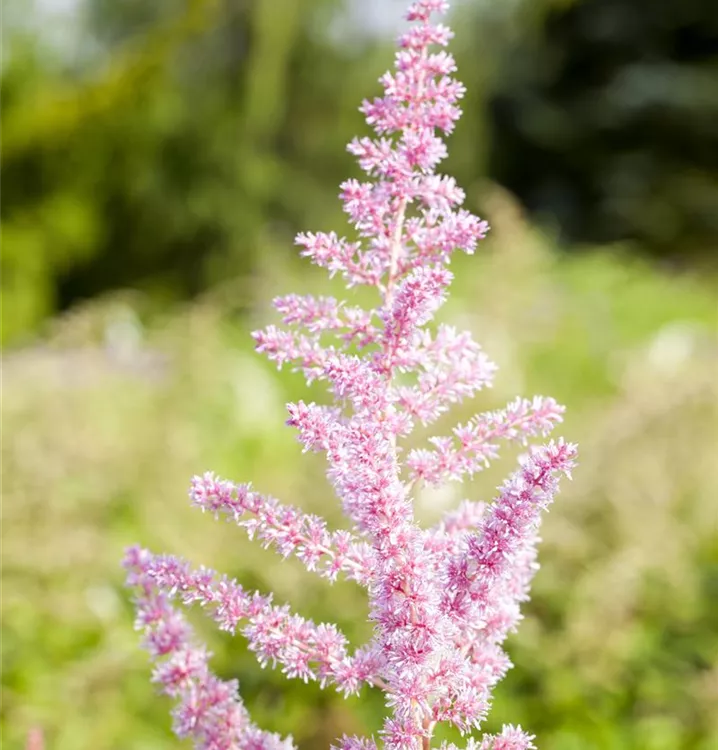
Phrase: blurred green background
(157, 159)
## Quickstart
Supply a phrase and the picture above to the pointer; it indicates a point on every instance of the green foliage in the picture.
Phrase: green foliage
(170, 151)
(603, 119)
(115, 409)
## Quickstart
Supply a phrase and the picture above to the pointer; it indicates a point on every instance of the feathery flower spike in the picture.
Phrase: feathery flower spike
(443, 599)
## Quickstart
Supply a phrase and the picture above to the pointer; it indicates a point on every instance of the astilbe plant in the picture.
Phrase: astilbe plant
(442, 599)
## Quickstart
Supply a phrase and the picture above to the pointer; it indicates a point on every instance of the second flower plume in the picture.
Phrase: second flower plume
(442, 599)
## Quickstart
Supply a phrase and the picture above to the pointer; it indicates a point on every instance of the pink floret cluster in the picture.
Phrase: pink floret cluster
(444, 598)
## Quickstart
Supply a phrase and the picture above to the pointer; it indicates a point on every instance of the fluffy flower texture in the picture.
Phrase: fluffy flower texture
(442, 599)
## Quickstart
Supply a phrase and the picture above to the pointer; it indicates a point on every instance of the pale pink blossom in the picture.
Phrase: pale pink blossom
(442, 599)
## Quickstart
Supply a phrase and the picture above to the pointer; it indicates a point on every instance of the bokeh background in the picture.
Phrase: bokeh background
(157, 159)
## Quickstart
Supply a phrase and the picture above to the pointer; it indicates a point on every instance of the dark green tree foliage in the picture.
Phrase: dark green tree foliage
(183, 139)
(605, 120)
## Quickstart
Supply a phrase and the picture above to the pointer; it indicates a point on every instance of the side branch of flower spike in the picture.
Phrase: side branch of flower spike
(285, 528)
(500, 552)
(209, 710)
(303, 649)
(520, 420)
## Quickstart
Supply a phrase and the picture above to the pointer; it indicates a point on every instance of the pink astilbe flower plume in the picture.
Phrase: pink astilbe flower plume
(442, 599)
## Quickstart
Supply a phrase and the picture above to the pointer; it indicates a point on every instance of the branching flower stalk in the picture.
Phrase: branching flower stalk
(442, 599)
